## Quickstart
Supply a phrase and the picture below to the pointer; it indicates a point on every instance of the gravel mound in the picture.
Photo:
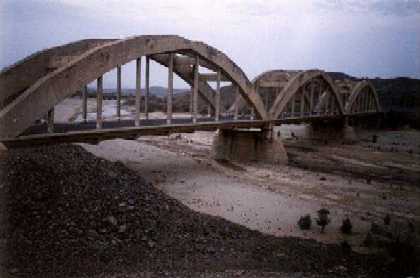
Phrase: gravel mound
(66, 212)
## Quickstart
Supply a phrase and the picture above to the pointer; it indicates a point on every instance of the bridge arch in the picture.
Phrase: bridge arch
(297, 82)
(15, 79)
(45, 92)
(363, 98)
(280, 87)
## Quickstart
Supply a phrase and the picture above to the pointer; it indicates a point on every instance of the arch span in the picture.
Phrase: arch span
(15, 79)
(363, 98)
(298, 81)
(186, 74)
(278, 87)
(50, 89)
(273, 79)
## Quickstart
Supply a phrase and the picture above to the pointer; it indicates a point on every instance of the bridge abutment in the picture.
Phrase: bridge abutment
(249, 145)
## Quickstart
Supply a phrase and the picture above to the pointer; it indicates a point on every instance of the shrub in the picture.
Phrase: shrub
(323, 219)
(305, 222)
(346, 226)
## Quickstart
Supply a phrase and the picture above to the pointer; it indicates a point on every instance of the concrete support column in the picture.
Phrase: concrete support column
(195, 90)
(146, 97)
(84, 103)
(99, 98)
(293, 105)
(119, 92)
(170, 89)
(257, 88)
(372, 103)
(327, 104)
(266, 102)
(252, 113)
(50, 119)
(311, 102)
(236, 112)
(217, 102)
(367, 103)
(362, 103)
(138, 91)
(333, 100)
(191, 103)
(302, 102)
(248, 145)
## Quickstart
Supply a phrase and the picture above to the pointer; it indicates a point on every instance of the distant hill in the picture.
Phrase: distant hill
(340, 76)
(396, 94)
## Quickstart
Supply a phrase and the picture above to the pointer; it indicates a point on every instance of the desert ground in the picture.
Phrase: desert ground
(365, 182)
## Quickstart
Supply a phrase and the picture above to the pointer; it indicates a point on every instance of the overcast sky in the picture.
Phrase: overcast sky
(359, 37)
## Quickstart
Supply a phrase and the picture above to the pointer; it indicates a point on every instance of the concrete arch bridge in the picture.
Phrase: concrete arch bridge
(331, 106)
(31, 88)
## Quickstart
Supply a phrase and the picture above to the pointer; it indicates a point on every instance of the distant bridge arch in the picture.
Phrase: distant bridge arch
(296, 93)
(327, 94)
(363, 98)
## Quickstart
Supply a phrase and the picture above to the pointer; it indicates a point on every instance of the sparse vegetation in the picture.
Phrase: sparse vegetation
(346, 226)
(305, 222)
(323, 218)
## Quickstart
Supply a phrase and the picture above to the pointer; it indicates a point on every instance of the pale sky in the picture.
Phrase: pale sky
(358, 37)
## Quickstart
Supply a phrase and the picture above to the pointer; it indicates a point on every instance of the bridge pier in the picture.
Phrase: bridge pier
(334, 131)
(247, 145)
(367, 121)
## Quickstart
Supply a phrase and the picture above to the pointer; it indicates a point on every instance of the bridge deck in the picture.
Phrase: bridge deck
(86, 131)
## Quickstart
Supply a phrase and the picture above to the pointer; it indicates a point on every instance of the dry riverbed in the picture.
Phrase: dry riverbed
(271, 198)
